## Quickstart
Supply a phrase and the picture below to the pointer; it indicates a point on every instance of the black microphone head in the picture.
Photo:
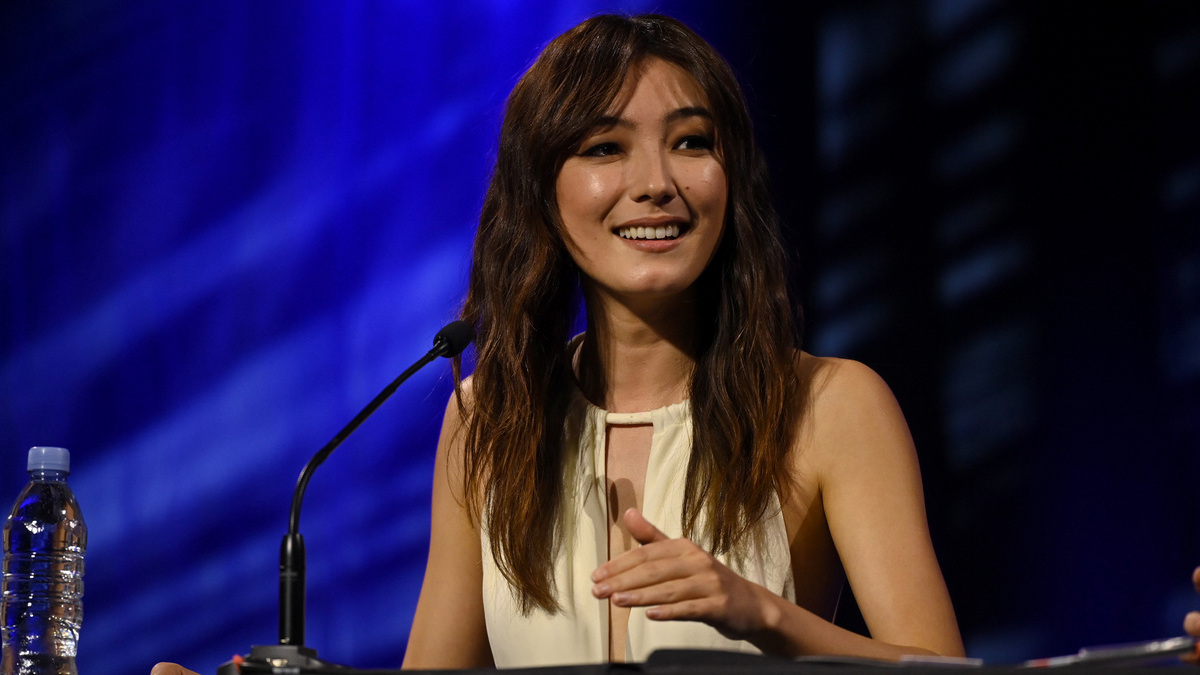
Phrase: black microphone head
(453, 338)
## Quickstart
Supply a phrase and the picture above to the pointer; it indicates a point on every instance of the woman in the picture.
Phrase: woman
(679, 474)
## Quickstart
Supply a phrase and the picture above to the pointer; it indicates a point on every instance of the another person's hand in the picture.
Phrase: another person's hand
(170, 669)
(1191, 622)
(677, 580)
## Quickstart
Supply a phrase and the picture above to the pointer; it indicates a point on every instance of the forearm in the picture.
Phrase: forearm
(676, 580)
(790, 630)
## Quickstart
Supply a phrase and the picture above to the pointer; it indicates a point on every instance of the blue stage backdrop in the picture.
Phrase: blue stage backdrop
(226, 225)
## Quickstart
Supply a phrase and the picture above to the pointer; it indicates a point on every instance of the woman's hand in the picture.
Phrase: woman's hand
(170, 669)
(676, 580)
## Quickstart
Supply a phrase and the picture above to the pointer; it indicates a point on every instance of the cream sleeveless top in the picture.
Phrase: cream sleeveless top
(578, 632)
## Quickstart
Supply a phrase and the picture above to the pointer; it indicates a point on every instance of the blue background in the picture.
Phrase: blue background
(225, 226)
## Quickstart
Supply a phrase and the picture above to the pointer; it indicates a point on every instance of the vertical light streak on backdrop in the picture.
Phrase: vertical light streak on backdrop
(980, 241)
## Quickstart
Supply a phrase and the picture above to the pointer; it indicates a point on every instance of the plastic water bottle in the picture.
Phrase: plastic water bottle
(44, 542)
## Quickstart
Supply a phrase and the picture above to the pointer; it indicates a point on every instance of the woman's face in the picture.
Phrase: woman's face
(643, 198)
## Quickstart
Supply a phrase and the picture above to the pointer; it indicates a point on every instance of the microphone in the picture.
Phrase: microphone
(291, 654)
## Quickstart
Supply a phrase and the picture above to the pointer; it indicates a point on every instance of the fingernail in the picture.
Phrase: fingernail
(600, 590)
(620, 598)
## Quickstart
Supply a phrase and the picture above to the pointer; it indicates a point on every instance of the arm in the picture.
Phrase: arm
(871, 488)
(448, 628)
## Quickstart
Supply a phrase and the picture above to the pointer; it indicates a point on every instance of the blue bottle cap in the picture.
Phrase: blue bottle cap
(46, 458)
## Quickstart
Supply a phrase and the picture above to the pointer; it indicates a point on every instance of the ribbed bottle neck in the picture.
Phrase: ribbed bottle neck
(48, 475)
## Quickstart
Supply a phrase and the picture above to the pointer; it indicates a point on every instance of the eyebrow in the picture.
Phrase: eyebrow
(608, 121)
(690, 111)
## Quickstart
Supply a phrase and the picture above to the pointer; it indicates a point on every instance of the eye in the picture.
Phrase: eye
(606, 149)
(695, 142)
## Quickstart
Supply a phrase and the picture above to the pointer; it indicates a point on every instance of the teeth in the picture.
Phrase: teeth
(660, 232)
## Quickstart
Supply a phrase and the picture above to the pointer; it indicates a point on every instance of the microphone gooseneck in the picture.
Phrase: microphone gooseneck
(450, 341)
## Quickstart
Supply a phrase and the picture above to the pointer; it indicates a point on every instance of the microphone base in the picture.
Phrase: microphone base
(272, 659)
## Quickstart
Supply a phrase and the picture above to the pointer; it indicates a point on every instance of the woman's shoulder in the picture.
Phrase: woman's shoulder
(461, 399)
(848, 410)
(835, 383)
(454, 419)
(451, 446)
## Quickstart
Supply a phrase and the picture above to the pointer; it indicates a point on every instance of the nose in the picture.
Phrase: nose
(652, 180)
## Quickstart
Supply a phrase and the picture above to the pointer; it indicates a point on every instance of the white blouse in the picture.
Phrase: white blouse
(579, 631)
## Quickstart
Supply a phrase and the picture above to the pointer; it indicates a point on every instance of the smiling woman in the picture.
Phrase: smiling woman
(679, 475)
(642, 201)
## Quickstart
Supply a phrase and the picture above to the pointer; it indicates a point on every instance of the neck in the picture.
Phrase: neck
(637, 358)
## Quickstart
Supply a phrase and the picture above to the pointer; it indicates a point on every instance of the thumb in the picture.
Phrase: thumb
(641, 529)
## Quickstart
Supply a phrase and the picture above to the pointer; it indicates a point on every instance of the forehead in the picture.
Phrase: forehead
(654, 84)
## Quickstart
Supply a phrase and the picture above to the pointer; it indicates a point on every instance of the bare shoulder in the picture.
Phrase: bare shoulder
(457, 407)
(850, 412)
(455, 410)
(451, 443)
(841, 383)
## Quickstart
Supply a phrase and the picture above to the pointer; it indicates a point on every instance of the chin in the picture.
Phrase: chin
(668, 290)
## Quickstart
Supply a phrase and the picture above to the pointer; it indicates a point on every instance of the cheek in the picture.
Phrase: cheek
(582, 193)
(564, 193)
(708, 191)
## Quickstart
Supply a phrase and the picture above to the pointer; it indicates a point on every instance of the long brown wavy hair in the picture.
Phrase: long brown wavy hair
(523, 300)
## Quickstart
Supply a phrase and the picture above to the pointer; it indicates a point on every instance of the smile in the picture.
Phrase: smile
(651, 232)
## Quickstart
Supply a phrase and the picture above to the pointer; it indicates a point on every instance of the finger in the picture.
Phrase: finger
(170, 669)
(643, 566)
(641, 529)
(666, 592)
(1191, 623)
(696, 609)
(645, 533)
(1196, 578)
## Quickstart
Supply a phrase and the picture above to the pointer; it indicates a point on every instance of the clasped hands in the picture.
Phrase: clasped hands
(676, 580)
